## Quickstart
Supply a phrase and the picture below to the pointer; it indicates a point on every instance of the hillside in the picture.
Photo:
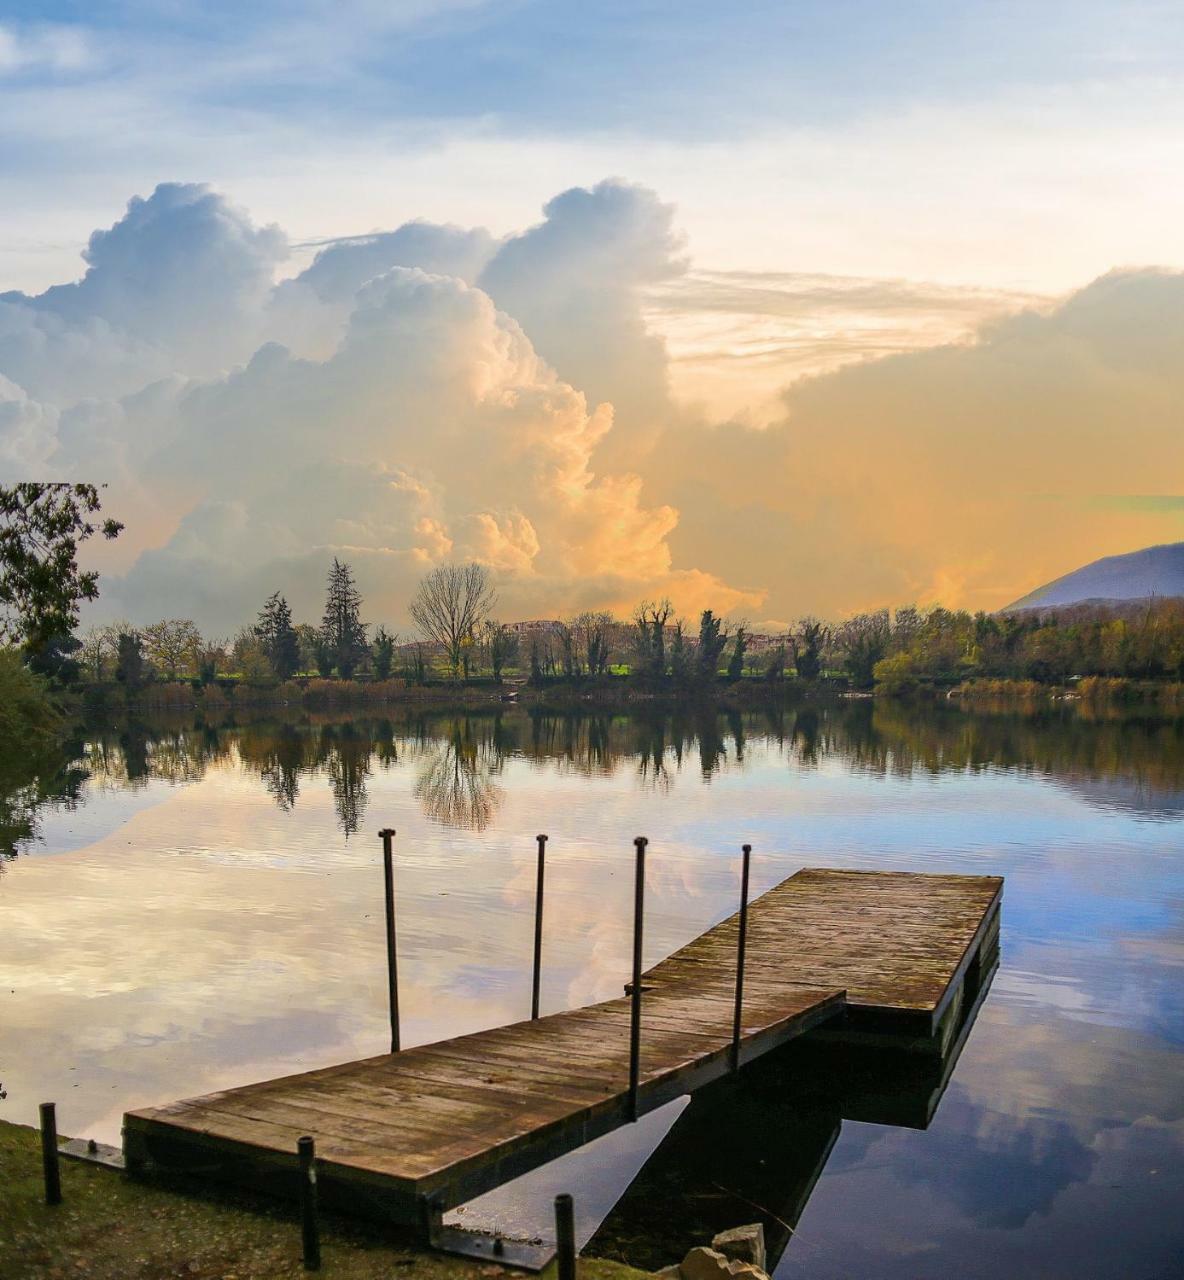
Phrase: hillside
(1154, 571)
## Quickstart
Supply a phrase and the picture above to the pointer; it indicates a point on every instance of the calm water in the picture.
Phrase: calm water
(191, 908)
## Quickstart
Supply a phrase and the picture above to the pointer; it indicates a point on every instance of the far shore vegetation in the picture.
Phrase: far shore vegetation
(461, 651)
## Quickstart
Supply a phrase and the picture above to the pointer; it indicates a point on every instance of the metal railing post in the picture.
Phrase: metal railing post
(565, 1237)
(538, 929)
(49, 1153)
(392, 954)
(741, 943)
(635, 1009)
(310, 1230)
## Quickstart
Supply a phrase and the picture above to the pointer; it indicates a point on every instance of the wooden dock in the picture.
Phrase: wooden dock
(406, 1136)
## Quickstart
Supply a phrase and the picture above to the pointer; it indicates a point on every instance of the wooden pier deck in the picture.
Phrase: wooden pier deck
(405, 1136)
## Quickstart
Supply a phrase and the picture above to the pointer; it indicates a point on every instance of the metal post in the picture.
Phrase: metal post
(49, 1153)
(538, 929)
(741, 942)
(635, 1009)
(309, 1227)
(565, 1236)
(392, 955)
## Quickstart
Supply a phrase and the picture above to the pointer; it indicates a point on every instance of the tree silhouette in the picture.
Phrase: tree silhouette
(341, 626)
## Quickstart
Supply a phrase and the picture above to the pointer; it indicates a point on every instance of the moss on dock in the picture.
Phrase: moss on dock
(109, 1227)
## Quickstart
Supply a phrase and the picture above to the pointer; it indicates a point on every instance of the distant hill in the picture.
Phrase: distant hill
(1154, 571)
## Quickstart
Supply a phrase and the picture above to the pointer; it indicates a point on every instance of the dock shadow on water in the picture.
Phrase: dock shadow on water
(193, 905)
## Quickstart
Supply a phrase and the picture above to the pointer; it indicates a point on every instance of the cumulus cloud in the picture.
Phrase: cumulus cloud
(431, 393)
(175, 286)
(403, 417)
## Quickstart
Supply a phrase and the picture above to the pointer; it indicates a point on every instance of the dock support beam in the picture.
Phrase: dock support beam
(310, 1228)
(635, 1008)
(49, 1153)
(538, 929)
(565, 1236)
(392, 953)
(741, 942)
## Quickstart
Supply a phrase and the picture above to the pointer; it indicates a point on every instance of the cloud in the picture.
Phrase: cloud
(409, 419)
(175, 286)
(433, 392)
(964, 472)
(737, 338)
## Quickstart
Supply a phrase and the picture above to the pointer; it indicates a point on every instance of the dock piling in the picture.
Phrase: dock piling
(565, 1236)
(49, 1153)
(635, 1007)
(310, 1230)
(392, 955)
(741, 942)
(538, 929)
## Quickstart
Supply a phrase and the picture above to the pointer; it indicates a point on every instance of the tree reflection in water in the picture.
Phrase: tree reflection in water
(1132, 761)
(455, 782)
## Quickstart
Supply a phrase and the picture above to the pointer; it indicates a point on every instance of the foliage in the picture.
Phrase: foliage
(277, 637)
(41, 586)
(593, 629)
(864, 640)
(808, 644)
(382, 653)
(739, 648)
(649, 622)
(713, 639)
(341, 626)
(501, 646)
(775, 666)
(26, 712)
(450, 605)
(129, 660)
(172, 646)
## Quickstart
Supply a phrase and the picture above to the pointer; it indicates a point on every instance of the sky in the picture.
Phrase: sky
(781, 309)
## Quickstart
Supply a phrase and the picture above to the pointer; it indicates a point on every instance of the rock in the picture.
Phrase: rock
(743, 1244)
(704, 1264)
(669, 1273)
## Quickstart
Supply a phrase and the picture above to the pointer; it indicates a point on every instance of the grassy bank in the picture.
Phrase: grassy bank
(111, 1228)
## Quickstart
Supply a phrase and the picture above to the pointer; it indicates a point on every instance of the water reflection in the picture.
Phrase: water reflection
(205, 910)
(1133, 763)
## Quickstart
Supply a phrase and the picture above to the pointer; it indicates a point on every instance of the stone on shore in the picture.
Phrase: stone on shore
(743, 1244)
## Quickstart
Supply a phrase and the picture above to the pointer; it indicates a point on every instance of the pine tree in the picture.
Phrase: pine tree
(278, 637)
(341, 627)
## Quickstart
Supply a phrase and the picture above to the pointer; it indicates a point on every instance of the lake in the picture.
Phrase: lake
(188, 907)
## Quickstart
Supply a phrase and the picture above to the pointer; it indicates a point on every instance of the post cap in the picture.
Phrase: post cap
(641, 841)
(746, 848)
(387, 831)
(541, 837)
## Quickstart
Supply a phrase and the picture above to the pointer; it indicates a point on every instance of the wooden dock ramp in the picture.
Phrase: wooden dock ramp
(406, 1136)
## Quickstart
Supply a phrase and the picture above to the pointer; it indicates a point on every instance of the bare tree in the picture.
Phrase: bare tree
(451, 603)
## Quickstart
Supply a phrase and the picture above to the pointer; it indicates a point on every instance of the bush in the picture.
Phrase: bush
(27, 713)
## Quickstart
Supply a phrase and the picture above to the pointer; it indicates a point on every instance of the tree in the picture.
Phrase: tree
(592, 631)
(172, 646)
(864, 639)
(98, 647)
(129, 659)
(807, 647)
(650, 639)
(341, 625)
(775, 667)
(713, 637)
(450, 605)
(501, 644)
(382, 653)
(41, 586)
(682, 663)
(278, 637)
(739, 647)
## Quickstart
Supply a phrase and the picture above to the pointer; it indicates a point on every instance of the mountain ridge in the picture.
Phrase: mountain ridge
(1156, 571)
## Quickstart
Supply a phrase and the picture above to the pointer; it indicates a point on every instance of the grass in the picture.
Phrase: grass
(109, 1227)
